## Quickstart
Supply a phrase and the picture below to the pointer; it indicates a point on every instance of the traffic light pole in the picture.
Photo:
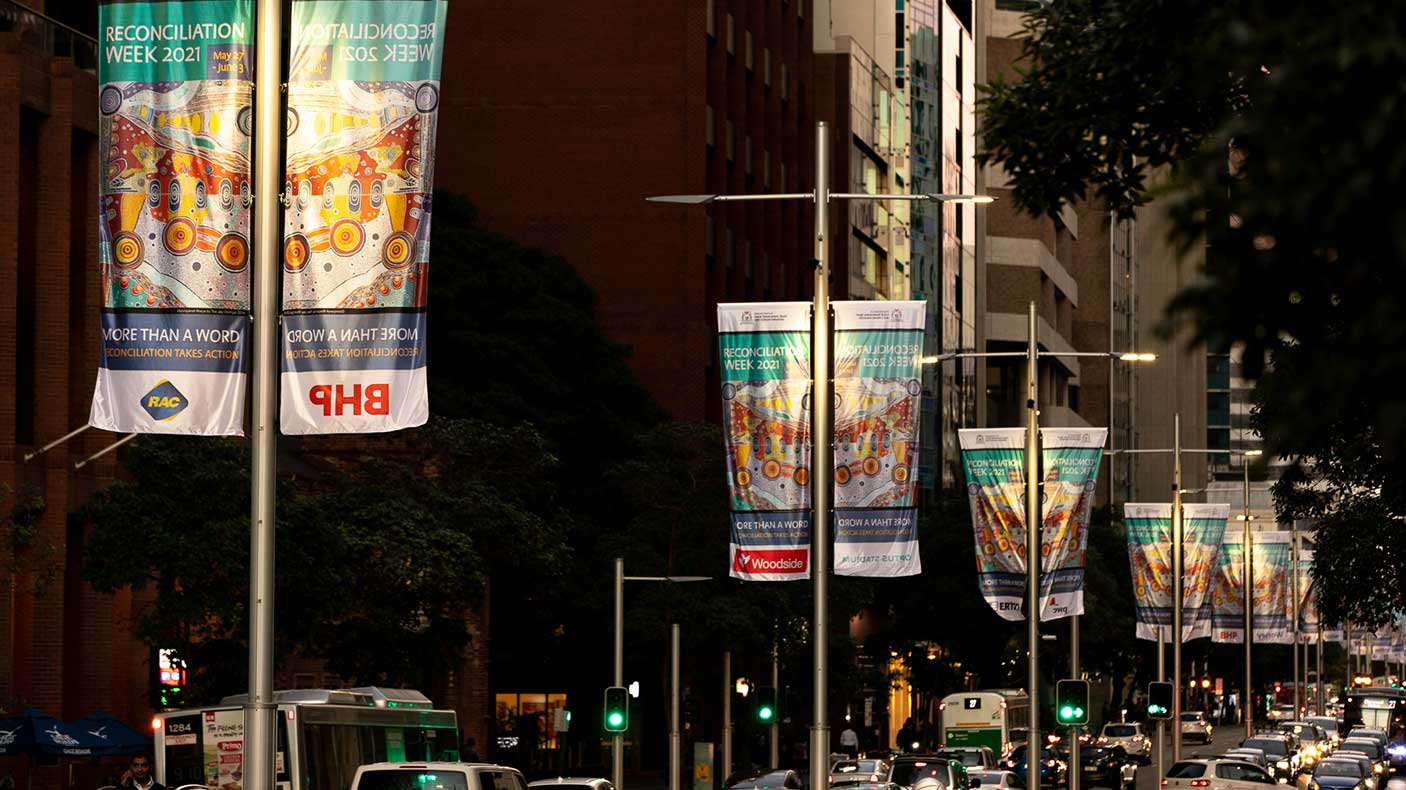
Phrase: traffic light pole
(1034, 525)
(675, 735)
(774, 730)
(1161, 728)
(1075, 767)
(617, 741)
(1247, 548)
(1294, 610)
(727, 716)
(1177, 593)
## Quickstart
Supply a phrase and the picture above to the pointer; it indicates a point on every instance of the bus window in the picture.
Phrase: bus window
(280, 757)
(184, 756)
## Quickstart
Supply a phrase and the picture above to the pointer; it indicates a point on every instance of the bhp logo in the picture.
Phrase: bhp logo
(769, 560)
(353, 399)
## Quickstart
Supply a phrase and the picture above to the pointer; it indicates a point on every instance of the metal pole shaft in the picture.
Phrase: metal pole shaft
(1177, 592)
(774, 731)
(1347, 679)
(1294, 608)
(1247, 581)
(1075, 767)
(617, 741)
(1161, 724)
(268, 164)
(820, 465)
(675, 749)
(727, 716)
(1318, 670)
(1034, 525)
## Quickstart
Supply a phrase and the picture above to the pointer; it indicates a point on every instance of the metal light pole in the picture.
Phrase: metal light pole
(1318, 670)
(1034, 526)
(1075, 767)
(820, 462)
(1247, 549)
(820, 428)
(617, 741)
(675, 737)
(727, 716)
(1177, 567)
(1294, 608)
(268, 166)
(1161, 724)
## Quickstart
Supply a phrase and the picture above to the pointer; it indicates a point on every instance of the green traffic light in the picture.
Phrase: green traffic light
(1066, 713)
(764, 714)
(615, 719)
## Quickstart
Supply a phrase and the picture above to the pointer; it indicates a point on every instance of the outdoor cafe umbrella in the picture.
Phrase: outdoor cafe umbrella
(35, 732)
(106, 735)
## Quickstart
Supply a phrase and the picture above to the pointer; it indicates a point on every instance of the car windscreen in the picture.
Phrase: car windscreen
(1190, 717)
(1269, 746)
(1119, 730)
(412, 779)
(907, 773)
(773, 779)
(1248, 756)
(965, 757)
(1338, 768)
(1370, 748)
(1186, 771)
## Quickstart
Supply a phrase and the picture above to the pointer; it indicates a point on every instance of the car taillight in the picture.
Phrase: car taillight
(1164, 782)
(1050, 763)
(1103, 739)
(873, 777)
(1200, 782)
(942, 706)
(1137, 739)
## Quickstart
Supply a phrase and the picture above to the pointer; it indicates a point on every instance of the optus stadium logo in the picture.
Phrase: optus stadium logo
(769, 560)
(164, 401)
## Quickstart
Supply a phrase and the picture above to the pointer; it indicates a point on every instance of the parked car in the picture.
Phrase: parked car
(1053, 770)
(1131, 737)
(996, 780)
(1216, 774)
(1339, 774)
(1194, 724)
(1108, 766)
(849, 772)
(447, 776)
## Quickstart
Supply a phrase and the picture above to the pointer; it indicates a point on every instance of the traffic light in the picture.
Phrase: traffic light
(617, 709)
(169, 681)
(1159, 700)
(1072, 701)
(766, 704)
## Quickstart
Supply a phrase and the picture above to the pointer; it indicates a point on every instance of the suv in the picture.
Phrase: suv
(437, 776)
(973, 757)
(1129, 736)
(1279, 751)
(907, 770)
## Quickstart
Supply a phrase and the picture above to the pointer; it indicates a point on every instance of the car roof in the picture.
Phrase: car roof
(577, 780)
(438, 766)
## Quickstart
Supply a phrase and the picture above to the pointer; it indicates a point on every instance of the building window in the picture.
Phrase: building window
(747, 53)
(785, 83)
(731, 36)
(708, 124)
(712, 32)
(730, 141)
(766, 168)
(766, 66)
(747, 153)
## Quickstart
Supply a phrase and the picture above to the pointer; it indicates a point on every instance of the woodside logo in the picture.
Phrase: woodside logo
(769, 561)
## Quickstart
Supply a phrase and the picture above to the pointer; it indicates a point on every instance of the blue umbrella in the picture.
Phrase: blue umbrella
(35, 732)
(107, 735)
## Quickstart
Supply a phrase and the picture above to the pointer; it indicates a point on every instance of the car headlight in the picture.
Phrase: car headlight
(1312, 785)
(1377, 768)
(1282, 763)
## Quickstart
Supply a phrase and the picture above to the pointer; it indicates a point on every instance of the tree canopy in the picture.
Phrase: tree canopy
(1277, 123)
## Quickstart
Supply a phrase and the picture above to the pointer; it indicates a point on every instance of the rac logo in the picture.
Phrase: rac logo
(164, 401)
(355, 399)
(769, 561)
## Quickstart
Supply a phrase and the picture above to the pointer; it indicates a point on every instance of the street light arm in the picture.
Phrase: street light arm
(939, 198)
(698, 200)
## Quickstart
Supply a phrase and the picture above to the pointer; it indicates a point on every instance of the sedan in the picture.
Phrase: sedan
(1053, 771)
(851, 772)
(1195, 725)
(1108, 766)
(772, 780)
(996, 780)
(1334, 774)
(1216, 774)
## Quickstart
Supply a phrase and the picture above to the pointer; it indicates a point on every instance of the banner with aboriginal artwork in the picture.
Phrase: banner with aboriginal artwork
(174, 126)
(1272, 595)
(363, 98)
(878, 394)
(1228, 593)
(1149, 528)
(995, 467)
(765, 353)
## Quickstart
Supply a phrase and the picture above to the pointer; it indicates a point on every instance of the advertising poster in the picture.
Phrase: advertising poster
(995, 467)
(174, 125)
(1228, 594)
(224, 749)
(1273, 601)
(363, 99)
(1149, 528)
(764, 349)
(878, 392)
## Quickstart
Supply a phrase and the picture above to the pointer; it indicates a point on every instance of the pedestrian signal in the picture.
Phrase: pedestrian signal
(1159, 700)
(1072, 701)
(766, 705)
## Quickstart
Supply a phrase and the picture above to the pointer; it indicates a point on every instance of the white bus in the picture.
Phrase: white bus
(323, 735)
(984, 718)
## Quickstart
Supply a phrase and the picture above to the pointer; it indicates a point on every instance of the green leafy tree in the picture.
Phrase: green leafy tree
(1276, 127)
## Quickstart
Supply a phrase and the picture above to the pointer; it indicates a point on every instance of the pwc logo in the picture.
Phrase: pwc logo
(164, 401)
(355, 399)
(769, 560)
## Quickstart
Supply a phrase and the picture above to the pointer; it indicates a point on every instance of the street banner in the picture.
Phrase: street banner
(765, 353)
(363, 101)
(878, 391)
(174, 125)
(1149, 528)
(1228, 593)
(1273, 601)
(994, 460)
(1309, 618)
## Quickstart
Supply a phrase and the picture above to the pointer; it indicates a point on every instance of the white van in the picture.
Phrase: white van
(437, 776)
